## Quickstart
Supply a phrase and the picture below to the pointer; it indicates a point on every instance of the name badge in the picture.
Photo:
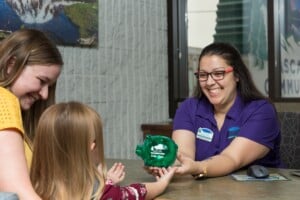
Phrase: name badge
(205, 134)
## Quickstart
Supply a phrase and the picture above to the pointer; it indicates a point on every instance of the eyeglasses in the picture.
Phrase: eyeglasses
(217, 74)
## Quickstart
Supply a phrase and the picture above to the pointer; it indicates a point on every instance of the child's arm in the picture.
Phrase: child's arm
(156, 188)
(139, 190)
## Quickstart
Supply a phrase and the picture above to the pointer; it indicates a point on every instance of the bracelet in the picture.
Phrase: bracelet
(201, 175)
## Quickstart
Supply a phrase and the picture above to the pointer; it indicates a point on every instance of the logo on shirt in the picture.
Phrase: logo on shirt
(205, 134)
(233, 132)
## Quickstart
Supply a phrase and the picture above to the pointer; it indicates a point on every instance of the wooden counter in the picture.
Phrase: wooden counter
(224, 188)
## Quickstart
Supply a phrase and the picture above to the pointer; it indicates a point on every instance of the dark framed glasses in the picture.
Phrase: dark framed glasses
(217, 74)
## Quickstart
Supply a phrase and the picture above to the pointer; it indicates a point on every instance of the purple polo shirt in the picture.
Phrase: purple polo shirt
(255, 120)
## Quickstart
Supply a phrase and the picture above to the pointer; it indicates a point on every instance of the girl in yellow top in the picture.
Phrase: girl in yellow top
(29, 67)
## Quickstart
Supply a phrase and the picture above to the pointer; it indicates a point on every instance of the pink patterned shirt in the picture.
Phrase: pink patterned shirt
(136, 191)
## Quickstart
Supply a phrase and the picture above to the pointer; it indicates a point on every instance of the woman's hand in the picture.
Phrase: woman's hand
(183, 165)
(116, 173)
(186, 165)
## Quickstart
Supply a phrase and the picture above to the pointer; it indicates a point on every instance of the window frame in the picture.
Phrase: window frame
(177, 54)
(275, 17)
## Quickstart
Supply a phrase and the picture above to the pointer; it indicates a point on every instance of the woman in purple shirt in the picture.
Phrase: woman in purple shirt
(228, 124)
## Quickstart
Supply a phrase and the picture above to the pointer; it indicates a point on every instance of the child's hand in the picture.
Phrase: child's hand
(165, 174)
(116, 173)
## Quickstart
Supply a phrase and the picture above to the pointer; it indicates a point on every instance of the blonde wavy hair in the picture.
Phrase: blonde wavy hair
(64, 166)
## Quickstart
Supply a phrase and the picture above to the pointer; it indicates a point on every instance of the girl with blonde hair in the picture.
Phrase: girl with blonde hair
(68, 147)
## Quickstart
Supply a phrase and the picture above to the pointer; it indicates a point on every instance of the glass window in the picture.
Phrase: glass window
(242, 23)
(266, 32)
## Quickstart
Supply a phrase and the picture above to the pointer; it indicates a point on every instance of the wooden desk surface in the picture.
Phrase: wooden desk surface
(225, 188)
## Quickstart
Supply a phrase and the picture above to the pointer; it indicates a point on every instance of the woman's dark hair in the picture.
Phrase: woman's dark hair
(232, 57)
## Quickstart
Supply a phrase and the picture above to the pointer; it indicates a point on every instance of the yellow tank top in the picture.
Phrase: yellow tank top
(11, 117)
